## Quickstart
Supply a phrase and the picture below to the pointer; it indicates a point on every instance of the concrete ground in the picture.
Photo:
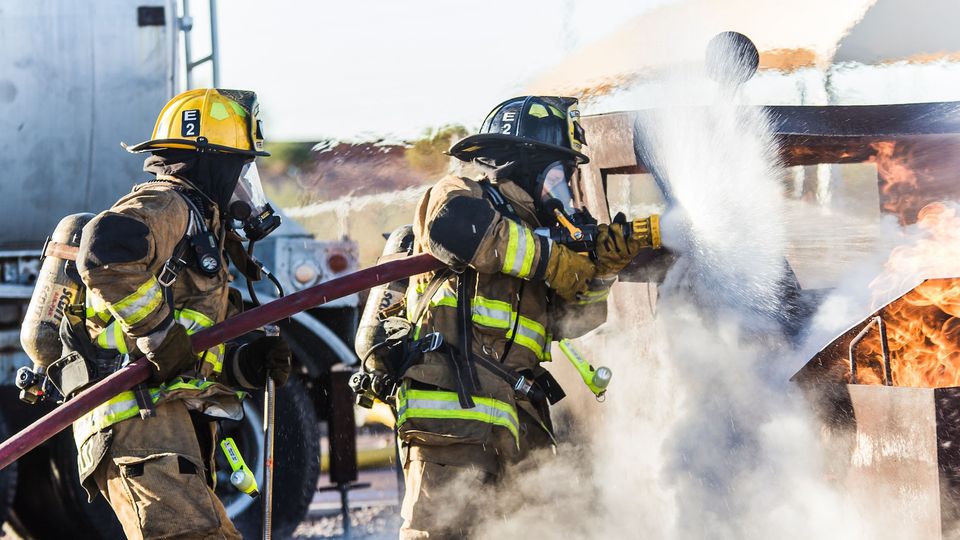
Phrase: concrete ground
(374, 511)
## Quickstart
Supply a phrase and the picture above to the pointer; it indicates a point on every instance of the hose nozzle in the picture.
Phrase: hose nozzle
(647, 230)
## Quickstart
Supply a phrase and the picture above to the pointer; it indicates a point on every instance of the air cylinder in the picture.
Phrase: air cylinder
(54, 292)
(384, 297)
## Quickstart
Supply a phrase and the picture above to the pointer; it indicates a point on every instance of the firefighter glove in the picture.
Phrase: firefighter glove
(568, 272)
(172, 356)
(619, 242)
(266, 355)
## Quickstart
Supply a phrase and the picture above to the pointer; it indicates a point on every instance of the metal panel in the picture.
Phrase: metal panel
(76, 78)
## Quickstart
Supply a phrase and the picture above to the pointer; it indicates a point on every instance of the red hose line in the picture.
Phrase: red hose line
(126, 378)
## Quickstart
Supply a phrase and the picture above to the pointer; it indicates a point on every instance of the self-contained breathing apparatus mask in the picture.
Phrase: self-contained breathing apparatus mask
(566, 221)
(249, 207)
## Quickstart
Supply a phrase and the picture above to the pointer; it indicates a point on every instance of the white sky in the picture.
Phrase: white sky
(352, 68)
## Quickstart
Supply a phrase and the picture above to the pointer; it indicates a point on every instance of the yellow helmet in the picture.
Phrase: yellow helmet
(208, 120)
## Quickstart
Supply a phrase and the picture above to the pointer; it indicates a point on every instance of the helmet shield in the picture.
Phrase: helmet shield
(249, 204)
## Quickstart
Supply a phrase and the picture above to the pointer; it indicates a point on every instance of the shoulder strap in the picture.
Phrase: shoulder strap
(177, 261)
(492, 194)
(433, 286)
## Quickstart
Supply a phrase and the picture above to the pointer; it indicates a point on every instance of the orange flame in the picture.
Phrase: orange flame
(899, 185)
(923, 325)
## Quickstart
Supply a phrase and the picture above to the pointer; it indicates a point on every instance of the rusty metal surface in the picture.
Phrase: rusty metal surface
(808, 134)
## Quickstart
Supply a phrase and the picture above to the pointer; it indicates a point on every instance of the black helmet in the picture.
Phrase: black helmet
(539, 123)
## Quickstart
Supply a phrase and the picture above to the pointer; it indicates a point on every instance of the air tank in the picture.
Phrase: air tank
(54, 292)
(383, 297)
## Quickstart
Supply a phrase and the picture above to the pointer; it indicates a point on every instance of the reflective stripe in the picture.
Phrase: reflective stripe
(124, 406)
(520, 249)
(440, 404)
(530, 334)
(500, 315)
(96, 307)
(112, 337)
(592, 297)
(136, 307)
(117, 409)
(194, 321)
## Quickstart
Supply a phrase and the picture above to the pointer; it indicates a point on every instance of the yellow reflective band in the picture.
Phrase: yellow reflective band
(214, 357)
(112, 338)
(520, 250)
(512, 240)
(193, 322)
(527, 254)
(95, 308)
(592, 297)
(137, 306)
(500, 315)
(123, 406)
(531, 335)
(538, 111)
(118, 337)
(440, 404)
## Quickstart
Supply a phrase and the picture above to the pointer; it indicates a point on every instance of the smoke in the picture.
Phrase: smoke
(701, 436)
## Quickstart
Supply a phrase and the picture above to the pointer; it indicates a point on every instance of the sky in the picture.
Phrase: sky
(353, 69)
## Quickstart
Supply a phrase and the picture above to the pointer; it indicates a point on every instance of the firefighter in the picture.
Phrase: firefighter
(154, 271)
(462, 418)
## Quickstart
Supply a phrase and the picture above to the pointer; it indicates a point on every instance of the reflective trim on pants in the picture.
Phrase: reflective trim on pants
(441, 404)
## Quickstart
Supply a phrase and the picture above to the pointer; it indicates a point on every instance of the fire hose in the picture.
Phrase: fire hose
(138, 371)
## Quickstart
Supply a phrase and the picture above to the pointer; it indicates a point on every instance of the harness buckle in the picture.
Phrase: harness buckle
(430, 342)
(523, 386)
(169, 273)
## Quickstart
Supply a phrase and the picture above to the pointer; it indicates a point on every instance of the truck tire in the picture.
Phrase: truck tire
(296, 462)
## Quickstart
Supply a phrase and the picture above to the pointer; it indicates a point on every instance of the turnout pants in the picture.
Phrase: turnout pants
(449, 489)
(154, 478)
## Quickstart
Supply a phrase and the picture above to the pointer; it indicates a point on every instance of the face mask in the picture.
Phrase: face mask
(553, 190)
(249, 205)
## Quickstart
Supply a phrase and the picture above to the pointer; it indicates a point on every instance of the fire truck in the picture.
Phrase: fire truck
(76, 79)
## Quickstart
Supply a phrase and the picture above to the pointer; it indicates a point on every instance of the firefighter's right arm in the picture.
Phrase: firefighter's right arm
(463, 229)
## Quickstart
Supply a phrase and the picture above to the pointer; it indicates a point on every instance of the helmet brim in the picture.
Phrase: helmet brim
(167, 144)
(498, 145)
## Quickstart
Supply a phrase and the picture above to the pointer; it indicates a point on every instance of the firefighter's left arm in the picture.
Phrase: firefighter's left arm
(574, 318)
(121, 252)
(463, 229)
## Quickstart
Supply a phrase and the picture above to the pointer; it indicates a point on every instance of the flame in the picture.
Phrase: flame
(899, 185)
(923, 325)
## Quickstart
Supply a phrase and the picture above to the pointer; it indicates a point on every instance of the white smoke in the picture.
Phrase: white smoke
(702, 435)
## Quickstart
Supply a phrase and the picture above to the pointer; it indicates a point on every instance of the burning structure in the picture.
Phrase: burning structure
(886, 389)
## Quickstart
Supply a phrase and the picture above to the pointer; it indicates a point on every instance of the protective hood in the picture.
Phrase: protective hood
(547, 181)
(215, 175)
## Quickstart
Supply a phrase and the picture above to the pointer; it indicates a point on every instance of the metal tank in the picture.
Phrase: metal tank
(69, 93)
